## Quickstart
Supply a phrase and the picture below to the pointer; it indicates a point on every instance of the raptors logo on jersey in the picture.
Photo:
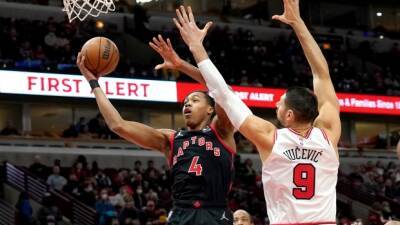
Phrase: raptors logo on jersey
(202, 167)
(301, 176)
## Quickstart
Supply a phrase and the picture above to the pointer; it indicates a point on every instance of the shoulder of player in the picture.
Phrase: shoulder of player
(332, 133)
(225, 136)
(169, 135)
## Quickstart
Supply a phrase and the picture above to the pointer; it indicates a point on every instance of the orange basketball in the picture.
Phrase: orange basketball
(101, 56)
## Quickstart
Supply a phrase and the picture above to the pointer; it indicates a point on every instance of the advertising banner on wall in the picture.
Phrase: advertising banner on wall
(47, 84)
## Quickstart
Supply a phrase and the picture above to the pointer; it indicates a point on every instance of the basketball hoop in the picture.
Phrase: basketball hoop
(80, 9)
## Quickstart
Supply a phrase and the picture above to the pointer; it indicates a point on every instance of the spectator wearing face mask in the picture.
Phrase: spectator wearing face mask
(104, 208)
(139, 198)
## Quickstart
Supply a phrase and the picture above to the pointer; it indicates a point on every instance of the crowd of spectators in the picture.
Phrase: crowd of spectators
(380, 180)
(94, 128)
(142, 195)
(52, 46)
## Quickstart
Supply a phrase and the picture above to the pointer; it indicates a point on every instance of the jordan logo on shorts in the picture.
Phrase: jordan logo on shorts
(223, 217)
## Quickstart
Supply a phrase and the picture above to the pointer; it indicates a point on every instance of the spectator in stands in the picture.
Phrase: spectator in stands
(80, 126)
(70, 132)
(242, 217)
(138, 167)
(152, 195)
(120, 179)
(249, 174)
(165, 200)
(79, 171)
(9, 129)
(137, 181)
(119, 200)
(24, 209)
(151, 168)
(104, 208)
(390, 191)
(87, 194)
(73, 186)
(139, 198)
(128, 213)
(38, 168)
(102, 180)
(49, 214)
(149, 213)
(387, 213)
(94, 124)
(55, 180)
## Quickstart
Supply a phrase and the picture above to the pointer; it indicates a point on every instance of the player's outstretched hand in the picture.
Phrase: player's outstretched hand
(80, 62)
(167, 52)
(191, 34)
(291, 14)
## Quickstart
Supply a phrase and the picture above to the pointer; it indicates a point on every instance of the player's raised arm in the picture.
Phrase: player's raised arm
(257, 130)
(140, 134)
(173, 61)
(328, 104)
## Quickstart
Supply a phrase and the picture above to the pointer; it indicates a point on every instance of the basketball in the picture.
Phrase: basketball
(101, 56)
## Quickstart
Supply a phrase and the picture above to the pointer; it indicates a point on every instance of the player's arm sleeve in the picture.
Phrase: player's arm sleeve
(233, 106)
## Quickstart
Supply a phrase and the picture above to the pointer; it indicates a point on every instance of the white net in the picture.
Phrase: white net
(80, 9)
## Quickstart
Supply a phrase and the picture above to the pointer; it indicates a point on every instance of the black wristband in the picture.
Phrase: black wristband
(94, 84)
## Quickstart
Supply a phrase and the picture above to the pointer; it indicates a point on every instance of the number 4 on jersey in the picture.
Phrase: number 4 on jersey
(194, 167)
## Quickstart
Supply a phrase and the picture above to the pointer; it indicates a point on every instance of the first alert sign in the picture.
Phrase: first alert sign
(47, 84)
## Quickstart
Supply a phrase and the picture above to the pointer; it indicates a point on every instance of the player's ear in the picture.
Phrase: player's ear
(210, 110)
(290, 115)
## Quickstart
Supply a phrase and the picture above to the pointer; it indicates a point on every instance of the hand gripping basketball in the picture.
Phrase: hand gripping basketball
(101, 56)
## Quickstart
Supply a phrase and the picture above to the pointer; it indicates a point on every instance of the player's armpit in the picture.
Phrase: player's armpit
(224, 127)
(261, 133)
(329, 120)
(222, 122)
(143, 135)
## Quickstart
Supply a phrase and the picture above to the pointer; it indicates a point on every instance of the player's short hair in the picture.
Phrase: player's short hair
(209, 99)
(303, 102)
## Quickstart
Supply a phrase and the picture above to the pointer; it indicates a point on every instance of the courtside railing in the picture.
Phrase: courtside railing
(7, 213)
(23, 180)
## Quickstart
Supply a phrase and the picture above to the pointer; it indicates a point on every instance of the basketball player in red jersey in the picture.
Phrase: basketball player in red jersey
(300, 162)
(201, 157)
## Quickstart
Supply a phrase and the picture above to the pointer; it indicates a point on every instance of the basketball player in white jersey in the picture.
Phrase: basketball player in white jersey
(300, 162)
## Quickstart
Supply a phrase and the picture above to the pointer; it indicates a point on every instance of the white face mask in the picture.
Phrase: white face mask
(90, 188)
(104, 196)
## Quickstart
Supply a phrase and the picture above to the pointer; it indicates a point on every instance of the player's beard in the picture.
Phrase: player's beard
(279, 125)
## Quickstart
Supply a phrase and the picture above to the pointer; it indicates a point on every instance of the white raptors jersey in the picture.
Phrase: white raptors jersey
(299, 178)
